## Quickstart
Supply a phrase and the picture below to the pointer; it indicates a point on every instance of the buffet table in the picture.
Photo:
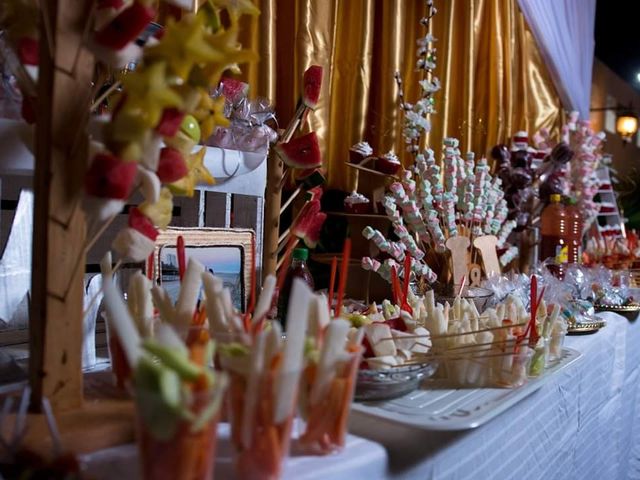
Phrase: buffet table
(583, 423)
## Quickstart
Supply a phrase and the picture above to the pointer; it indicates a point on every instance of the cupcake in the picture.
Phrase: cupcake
(360, 152)
(388, 163)
(357, 203)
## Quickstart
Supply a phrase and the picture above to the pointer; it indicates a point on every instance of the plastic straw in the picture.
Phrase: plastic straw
(344, 271)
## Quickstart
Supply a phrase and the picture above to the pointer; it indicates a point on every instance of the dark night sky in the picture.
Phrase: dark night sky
(618, 37)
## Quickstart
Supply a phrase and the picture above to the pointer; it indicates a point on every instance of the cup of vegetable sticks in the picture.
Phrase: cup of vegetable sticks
(327, 386)
(264, 369)
(178, 398)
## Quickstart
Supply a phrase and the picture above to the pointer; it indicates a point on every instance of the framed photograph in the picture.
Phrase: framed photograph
(224, 252)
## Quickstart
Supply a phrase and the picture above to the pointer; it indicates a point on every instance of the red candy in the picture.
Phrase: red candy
(171, 166)
(397, 324)
(126, 27)
(110, 177)
(170, 122)
(143, 224)
(28, 51)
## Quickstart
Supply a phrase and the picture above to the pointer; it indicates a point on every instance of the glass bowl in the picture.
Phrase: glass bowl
(480, 296)
(392, 382)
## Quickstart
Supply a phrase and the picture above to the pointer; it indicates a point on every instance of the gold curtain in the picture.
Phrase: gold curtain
(494, 81)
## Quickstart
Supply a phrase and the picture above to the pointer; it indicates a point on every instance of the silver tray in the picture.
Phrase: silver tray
(444, 409)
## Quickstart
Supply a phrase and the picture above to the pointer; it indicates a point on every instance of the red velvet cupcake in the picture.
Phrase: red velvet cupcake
(360, 152)
(388, 163)
(357, 203)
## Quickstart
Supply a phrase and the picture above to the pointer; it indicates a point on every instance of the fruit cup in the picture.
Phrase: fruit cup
(325, 410)
(176, 426)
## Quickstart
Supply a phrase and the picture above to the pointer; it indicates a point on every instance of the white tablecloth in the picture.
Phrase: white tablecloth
(583, 424)
(359, 459)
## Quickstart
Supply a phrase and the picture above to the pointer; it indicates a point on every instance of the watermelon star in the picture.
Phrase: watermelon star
(148, 93)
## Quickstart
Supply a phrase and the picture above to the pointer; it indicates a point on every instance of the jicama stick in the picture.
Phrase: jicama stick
(296, 326)
(189, 292)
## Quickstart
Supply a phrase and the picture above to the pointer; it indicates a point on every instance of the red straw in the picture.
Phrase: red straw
(407, 275)
(395, 286)
(293, 241)
(344, 271)
(462, 282)
(332, 280)
(246, 320)
(182, 258)
(150, 267)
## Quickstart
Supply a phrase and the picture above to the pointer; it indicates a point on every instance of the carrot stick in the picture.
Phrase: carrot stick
(182, 259)
(332, 280)
(344, 271)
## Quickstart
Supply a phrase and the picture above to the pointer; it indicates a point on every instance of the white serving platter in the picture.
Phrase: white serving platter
(445, 409)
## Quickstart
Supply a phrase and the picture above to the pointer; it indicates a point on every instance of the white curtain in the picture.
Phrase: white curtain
(563, 30)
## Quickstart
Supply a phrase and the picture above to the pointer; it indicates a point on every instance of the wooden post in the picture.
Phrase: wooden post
(273, 200)
(64, 96)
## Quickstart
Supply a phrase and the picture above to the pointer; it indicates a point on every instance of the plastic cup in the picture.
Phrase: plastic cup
(185, 450)
(261, 445)
(324, 425)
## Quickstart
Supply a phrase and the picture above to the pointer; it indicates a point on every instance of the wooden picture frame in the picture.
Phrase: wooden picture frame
(226, 252)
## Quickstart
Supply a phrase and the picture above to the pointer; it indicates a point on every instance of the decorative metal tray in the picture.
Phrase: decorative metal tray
(582, 328)
(630, 311)
(435, 408)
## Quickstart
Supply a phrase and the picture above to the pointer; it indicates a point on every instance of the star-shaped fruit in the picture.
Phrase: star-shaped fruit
(184, 45)
(210, 114)
(148, 93)
(235, 7)
(198, 173)
(160, 211)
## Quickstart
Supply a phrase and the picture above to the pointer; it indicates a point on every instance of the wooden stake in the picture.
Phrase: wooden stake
(273, 199)
(55, 332)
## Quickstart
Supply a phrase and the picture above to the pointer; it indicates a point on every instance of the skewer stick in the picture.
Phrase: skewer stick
(451, 335)
(95, 297)
(291, 198)
(104, 95)
(293, 243)
(98, 234)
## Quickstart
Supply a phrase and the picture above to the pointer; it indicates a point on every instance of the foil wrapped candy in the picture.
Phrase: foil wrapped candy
(248, 130)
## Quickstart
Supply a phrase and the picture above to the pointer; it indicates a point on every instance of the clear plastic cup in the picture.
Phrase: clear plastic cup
(324, 419)
(260, 441)
(172, 447)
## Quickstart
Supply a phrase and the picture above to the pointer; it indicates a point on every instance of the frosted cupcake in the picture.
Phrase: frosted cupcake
(388, 163)
(360, 152)
(357, 203)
